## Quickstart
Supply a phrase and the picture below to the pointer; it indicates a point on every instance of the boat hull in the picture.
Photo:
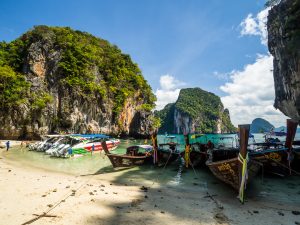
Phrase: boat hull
(127, 160)
(84, 148)
(274, 161)
(228, 172)
(166, 157)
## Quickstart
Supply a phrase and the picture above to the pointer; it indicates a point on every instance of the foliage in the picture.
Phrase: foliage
(145, 107)
(198, 103)
(226, 122)
(41, 100)
(194, 100)
(204, 108)
(89, 67)
(166, 116)
(13, 88)
(155, 122)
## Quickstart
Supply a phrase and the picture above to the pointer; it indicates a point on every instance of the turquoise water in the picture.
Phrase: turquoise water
(91, 163)
(86, 164)
(98, 163)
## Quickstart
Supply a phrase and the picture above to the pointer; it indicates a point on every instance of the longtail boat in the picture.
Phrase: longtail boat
(168, 151)
(135, 156)
(296, 162)
(197, 145)
(276, 157)
(237, 170)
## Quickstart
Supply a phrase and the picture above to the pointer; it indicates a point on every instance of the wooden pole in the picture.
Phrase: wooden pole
(104, 147)
(244, 136)
(155, 147)
(291, 132)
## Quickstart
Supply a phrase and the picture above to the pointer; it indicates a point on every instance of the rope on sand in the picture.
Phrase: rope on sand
(45, 214)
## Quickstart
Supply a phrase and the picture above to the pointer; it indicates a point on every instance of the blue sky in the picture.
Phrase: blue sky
(193, 41)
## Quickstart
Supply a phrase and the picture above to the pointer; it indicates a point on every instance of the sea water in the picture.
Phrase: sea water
(92, 162)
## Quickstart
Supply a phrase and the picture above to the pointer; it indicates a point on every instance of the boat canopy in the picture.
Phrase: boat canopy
(146, 147)
(89, 135)
(170, 136)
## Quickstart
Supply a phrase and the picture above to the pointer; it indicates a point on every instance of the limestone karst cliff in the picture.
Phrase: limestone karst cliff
(284, 44)
(195, 110)
(55, 79)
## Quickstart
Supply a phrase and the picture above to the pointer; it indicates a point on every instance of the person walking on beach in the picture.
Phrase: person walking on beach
(7, 145)
(93, 149)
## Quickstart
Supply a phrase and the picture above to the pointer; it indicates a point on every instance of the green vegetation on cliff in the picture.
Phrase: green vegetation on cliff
(88, 66)
(56, 74)
(13, 89)
(166, 116)
(199, 110)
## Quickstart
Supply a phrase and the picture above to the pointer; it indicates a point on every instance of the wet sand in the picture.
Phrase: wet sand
(139, 196)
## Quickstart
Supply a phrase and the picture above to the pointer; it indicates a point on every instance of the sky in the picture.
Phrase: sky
(219, 46)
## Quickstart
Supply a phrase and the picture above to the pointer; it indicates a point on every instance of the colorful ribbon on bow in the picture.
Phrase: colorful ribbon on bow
(244, 177)
(187, 156)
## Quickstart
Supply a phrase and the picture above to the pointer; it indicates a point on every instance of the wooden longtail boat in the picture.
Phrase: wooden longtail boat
(276, 157)
(168, 151)
(198, 154)
(133, 157)
(237, 170)
(195, 153)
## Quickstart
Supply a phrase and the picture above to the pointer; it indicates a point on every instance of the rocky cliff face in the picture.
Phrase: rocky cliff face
(78, 84)
(195, 111)
(284, 44)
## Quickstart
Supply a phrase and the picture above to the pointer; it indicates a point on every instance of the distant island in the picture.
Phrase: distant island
(195, 110)
(260, 125)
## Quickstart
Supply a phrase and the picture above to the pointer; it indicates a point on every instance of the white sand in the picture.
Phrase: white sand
(101, 200)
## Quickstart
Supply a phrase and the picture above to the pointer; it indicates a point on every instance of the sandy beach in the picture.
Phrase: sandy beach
(36, 196)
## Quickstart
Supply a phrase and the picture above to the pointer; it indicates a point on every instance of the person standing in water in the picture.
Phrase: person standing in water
(7, 145)
(93, 149)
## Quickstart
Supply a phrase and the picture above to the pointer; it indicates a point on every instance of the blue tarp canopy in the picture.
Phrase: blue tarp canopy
(90, 135)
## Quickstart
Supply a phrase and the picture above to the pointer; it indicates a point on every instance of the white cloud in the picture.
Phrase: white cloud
(221, 76)
(250, 93)
(256, 25)
(168, 91)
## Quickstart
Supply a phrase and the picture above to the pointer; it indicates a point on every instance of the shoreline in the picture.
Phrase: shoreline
(120, 198)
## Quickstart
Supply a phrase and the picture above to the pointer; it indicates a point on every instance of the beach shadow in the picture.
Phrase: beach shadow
(107, 169)
(163, 192)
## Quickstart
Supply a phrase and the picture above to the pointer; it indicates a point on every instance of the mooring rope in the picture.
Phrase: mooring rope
(57, 203)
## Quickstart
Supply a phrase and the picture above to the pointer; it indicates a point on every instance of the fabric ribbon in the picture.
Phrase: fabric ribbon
(187, 156)
(243, 183)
